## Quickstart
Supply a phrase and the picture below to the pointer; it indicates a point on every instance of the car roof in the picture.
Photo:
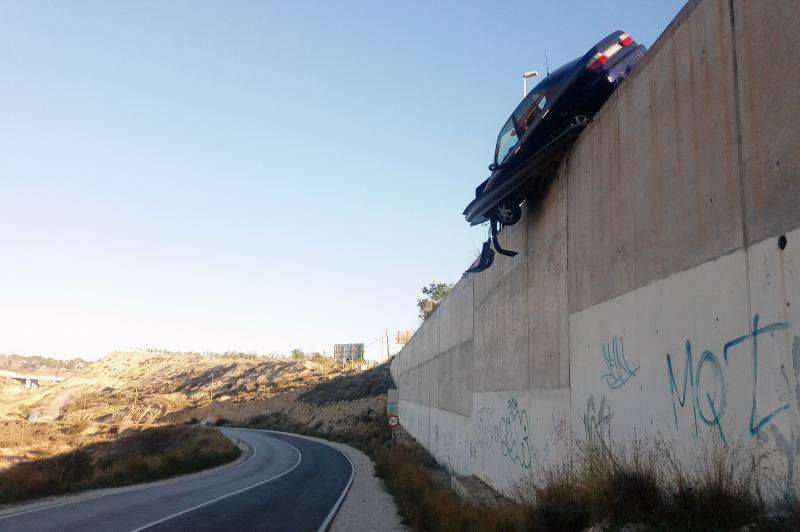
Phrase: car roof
(554, 79)
(562, 73)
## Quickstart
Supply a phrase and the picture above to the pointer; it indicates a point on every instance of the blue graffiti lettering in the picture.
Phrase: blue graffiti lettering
(717, 401)
(754, 334)
(687, 378)
(716, 413)
(619, 371)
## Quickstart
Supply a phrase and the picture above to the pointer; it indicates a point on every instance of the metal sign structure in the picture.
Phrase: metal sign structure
(392, 400)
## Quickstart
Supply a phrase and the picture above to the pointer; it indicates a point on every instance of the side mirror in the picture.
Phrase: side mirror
(492, 167)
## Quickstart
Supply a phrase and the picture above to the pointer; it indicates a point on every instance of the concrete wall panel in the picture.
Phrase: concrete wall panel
(462, 378)
(546, 291)
(492, 354)
(478, 366)
(769, 102)
(638, 357)
(500, 448)
(513, 331)
(775, 299)
(656, 186)
(455, 315)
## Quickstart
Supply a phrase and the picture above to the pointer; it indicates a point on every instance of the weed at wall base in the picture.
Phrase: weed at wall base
(639, 483)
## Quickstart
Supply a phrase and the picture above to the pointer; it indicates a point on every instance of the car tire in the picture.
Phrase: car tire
(579, 120)
(507, 212)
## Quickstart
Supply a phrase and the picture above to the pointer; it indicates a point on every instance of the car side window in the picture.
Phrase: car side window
(506, 141)
(530, 108)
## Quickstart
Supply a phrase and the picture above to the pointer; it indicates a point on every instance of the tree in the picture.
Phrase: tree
(297, 354)
(435, 294)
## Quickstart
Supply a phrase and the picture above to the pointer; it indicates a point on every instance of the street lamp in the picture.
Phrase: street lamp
(525, 76)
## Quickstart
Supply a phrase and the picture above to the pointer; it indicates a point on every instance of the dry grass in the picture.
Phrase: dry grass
(135, 456)
(723, 492)
(622, 483)
(428, 505)
(557, 502)
(790, 507)
(641, 483)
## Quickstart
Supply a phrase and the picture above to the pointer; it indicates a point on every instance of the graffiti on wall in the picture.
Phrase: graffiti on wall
(487, 432)
(708, 397)
(509, 435)
(618, 371)
(514, 435)
(597, 421)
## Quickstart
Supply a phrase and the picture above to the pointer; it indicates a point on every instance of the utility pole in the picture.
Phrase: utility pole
(387, 344)
(211, 391)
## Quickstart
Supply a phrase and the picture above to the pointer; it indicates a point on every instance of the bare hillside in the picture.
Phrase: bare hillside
(38, 365)
(141, 387)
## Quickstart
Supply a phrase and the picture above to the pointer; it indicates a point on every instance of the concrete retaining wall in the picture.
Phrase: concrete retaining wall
(650, 295)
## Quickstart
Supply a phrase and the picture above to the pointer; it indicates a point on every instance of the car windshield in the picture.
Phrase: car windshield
(505, 141)
(530, 108)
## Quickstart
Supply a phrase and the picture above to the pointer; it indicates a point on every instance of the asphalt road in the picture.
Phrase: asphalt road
(286, 483)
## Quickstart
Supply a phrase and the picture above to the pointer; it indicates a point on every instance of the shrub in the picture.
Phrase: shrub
(137, 456)
(622, 483)
(428, 505)
(373, 382)
(722, 493)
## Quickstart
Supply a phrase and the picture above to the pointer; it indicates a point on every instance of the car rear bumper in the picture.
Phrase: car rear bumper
(619, 69)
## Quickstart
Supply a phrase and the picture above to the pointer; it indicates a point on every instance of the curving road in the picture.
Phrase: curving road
(285, 483)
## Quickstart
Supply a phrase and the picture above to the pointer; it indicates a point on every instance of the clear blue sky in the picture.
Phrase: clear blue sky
(254, 175)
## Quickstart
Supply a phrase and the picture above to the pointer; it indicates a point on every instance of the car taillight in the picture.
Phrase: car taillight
(601, 57)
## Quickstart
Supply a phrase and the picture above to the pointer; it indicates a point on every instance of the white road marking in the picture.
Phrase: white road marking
(130, 489)
(212, 501)
(328, 520)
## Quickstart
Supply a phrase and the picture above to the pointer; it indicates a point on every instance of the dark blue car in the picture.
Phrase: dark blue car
(539, 131)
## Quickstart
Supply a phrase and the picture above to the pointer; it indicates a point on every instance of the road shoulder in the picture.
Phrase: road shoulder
(367, 507)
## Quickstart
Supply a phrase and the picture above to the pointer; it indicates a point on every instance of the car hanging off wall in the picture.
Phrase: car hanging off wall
(534, 139)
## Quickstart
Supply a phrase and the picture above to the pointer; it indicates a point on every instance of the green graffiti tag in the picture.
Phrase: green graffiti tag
(514, 435)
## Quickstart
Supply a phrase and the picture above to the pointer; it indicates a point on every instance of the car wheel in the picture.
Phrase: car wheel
(507, 212)
(578, 120)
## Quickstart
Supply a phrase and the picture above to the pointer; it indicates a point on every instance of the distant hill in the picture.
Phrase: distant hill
(43, 365)
(141, 387)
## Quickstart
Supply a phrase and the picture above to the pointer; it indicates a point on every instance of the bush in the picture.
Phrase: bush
(373, 382)
(137, 456)
(722, 494)
(428, 505)
(622, 483)
(558, 501)
(640, 482)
